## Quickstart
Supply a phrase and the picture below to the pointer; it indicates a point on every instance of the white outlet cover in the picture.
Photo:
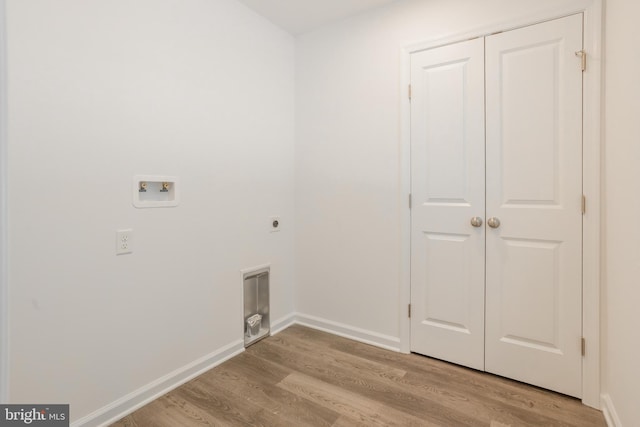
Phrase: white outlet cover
(124, 241)
(275, 224)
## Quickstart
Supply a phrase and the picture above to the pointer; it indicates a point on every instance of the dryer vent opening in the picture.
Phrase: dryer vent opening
(257, 323)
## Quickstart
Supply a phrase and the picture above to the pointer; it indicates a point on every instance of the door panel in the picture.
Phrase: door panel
(534, 187)
(532, 274)
(528, 106)
(447, 152)
(446, 300)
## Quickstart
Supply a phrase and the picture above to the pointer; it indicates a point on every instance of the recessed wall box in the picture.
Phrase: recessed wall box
(155, 191)
(257, 324)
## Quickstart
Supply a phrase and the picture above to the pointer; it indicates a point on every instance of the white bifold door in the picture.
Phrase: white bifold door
(496, 222)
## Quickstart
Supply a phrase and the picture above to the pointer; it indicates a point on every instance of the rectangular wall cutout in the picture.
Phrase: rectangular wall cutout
(155, 191)
(257, 323)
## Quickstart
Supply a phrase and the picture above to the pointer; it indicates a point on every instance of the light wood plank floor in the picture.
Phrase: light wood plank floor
(303, 377)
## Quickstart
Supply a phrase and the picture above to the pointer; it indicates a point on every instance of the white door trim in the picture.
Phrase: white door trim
(4, 285)
(592, 103)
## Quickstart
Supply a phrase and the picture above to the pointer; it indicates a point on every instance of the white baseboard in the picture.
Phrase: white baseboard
(609, 412)
(129, 403)
(283, 323)
(348, 331)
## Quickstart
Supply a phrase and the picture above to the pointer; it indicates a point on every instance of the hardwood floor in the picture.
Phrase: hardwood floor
(303, 377)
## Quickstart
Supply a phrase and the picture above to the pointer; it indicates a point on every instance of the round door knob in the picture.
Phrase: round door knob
(476, 221)
(493, 222)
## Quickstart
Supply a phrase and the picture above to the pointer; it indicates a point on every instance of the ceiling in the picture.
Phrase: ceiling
(300, 16)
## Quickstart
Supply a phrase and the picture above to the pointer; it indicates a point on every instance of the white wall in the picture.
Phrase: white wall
(621, 349)
(349, 201)
(4, 295)
(100, 91)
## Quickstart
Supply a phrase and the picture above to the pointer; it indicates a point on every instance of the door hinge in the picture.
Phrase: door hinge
(583, 344)
(410, 201)
(409, 311)
(583, 59)
(409, 92)
(584, 204)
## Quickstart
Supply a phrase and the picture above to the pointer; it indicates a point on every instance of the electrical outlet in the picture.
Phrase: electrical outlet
(275, 224)
(124, 241)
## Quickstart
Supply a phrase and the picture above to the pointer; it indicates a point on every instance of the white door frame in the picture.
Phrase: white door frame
(591, 168)
(4, 285)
